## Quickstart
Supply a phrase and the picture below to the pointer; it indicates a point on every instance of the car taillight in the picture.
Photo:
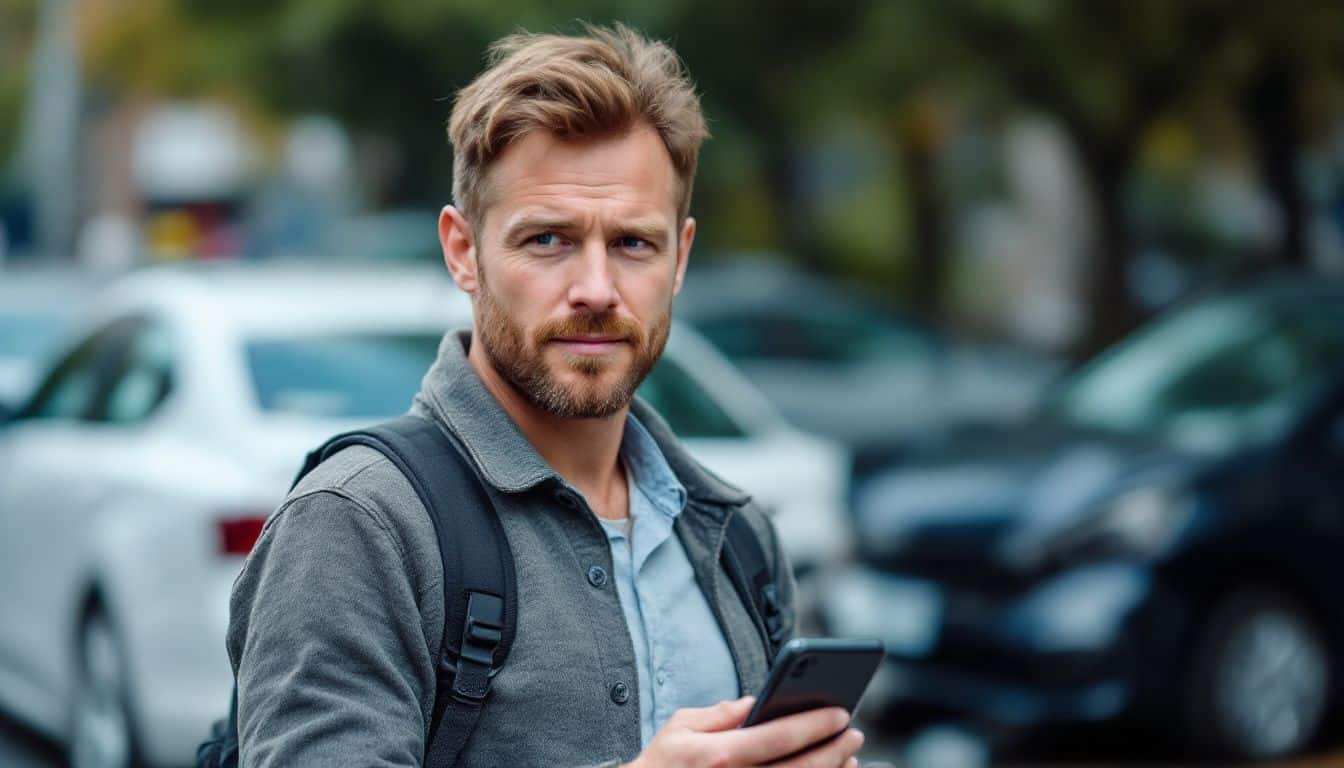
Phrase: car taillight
(237, 535)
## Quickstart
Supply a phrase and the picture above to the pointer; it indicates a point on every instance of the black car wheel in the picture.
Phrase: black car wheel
(1260, 679)
(102, 733)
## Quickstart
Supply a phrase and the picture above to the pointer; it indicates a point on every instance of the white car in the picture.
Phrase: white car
(36, 305)
(137, 478)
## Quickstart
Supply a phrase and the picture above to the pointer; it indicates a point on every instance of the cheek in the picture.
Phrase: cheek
(523, 291)
(648, 296)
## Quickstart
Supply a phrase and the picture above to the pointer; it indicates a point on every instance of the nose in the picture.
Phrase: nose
(592, 285)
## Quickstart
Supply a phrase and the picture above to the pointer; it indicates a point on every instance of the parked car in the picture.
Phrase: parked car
(138, 476)
(36, 306)
(1161, 543)
(838, 362)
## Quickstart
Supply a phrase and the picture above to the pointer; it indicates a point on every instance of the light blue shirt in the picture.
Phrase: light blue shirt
(681, 655)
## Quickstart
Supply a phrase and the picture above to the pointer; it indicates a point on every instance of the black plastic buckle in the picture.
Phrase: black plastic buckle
(482, 633)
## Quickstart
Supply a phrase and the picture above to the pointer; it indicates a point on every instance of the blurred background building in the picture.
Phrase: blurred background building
(1044, 295)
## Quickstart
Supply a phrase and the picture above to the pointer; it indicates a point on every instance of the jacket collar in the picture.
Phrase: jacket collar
(457, 397)
(701, 484)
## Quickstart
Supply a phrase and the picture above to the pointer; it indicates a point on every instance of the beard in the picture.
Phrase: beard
(600, 390)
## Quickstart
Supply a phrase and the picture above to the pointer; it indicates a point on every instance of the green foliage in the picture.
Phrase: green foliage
(779, 79)
(18, 23)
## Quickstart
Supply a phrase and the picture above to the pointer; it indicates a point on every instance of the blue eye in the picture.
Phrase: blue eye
(545, 238)
(630, 241)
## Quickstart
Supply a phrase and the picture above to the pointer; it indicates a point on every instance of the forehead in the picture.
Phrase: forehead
(624, 174)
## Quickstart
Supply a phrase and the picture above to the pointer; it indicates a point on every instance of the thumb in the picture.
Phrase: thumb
(720, 717)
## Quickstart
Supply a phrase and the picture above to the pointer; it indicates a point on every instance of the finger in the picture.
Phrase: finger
(841, 750)
(786, 735)
(718, 717)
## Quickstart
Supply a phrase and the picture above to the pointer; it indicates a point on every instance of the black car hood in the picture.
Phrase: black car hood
(965, 496)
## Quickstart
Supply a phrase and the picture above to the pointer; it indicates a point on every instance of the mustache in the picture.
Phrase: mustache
(607, 324)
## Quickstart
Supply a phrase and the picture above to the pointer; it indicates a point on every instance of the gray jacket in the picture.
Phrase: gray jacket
(337, 617)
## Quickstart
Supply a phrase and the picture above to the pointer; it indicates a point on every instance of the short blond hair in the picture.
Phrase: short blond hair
(604, 82)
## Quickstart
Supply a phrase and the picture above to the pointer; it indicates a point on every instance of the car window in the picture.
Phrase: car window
(70, 390)
(828, 336)
(688, 408)
(370, 375)
(1243, 372)
(29, 334)
(1232, 365)
(143, 377)
(757, 336)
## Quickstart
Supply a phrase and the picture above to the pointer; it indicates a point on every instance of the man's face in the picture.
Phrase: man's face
(577, 256)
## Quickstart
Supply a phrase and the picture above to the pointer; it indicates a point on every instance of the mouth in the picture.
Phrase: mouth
(589, 345)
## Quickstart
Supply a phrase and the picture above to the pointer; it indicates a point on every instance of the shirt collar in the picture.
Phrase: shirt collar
(650, 471)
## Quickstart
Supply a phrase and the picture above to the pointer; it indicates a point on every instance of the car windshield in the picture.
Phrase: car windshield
(688, 408)
(354, 376)
(29, 334)
(1215, 375)
(816, 334)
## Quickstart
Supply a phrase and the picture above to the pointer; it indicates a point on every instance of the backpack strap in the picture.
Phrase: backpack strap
(744, 560)
(480, 612)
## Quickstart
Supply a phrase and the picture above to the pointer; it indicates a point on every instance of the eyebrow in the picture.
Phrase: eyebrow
(647, 230)
(537, 223)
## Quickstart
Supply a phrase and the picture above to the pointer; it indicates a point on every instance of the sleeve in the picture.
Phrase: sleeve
(326, 639)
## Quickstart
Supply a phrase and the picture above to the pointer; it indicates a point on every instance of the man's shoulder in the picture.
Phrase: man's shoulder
(367, 479)
(363, 474)
(758, 520)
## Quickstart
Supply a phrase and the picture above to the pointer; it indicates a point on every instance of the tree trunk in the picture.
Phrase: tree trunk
(1271, 112)
(792, 213)
(1111, 308)
(918, 137)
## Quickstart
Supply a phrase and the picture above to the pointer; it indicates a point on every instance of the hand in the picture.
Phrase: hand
(709, 737)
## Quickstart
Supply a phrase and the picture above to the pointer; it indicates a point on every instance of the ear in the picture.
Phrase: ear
(459, 248)
(683, 252)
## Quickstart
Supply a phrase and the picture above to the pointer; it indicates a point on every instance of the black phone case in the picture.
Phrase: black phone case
(814, 673)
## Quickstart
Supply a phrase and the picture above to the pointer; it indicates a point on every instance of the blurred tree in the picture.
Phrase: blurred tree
(1106, 70)
(921, 136)
(752, 59)
(1290, 49)
(885, 72)
(18, 23)
(777, 79)
(390, 69)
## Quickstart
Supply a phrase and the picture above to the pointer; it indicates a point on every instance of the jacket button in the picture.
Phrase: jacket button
(620, 693)
(597, 576)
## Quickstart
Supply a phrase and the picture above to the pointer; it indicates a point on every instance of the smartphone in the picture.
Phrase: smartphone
(810, 673)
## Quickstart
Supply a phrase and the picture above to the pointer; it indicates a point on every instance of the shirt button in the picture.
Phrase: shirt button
(661, 678)
(620, 693)
(597, 576)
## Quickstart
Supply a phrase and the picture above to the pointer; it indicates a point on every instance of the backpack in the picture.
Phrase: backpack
(478, 582)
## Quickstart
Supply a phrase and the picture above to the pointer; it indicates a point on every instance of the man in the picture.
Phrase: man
(574, 160)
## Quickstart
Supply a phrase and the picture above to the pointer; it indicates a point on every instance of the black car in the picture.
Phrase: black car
(838, 361)
(1164, 541)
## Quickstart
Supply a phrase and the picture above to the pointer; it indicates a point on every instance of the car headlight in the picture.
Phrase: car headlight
(1143, 522)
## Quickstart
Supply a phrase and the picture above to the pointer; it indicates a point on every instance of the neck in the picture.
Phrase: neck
(582, 451)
